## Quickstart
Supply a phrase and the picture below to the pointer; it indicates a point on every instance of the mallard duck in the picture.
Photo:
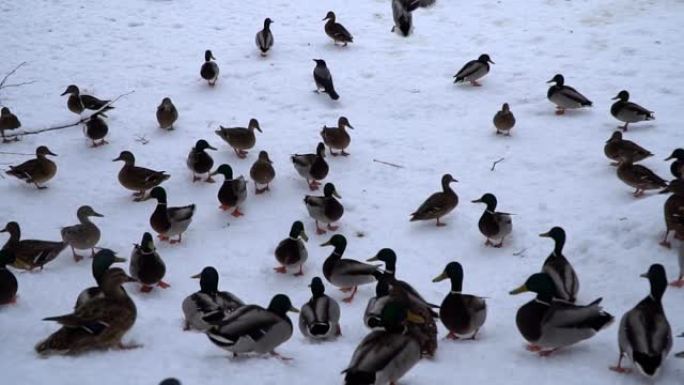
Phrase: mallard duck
(199, 162)
(313, 167)
(166, 114)
(84, 235)
(504, 120)
(170, 381)
(673, 211)
(208, 306)
(98, 324)
(677, 166)
(638, 176)
(209, 70)
(262, 172)
(402, 15)
(253, 329)
(325, 209)
(494, 225)
(138, 179)
(323, 79)
(77, 102)
(8, 122)
(29, 253)
(438, 204)
(337, 137)
(336, 31)
(233, 191)
(462, 314)
(346, 274)
(319, 318)
(645, 336)
(565, 97)
(628, 112)
(617, 148)
(8, 282)
(169, 221)
(291, 251)
(240, 139)
(264, 38)
(37, 171)
(558, 267)
(146, 266)
(96, 129)
(386, 355)
(474, 70)
(373, 313)
(549, 324)
(102, 260)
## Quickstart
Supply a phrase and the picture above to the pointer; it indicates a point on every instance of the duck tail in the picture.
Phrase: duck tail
(358, 377)
(647, 364)
(319, 329)
(588, 103)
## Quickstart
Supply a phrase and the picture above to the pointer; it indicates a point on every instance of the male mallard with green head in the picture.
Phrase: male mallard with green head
(494, 225)
(291, 251)
(146, 266)
(319, 318)
(169, 221)
(199, 162)
(346, 274)
(208, 306)
(325, 208)
(8, 122)
(102, 260)
(233, 191)
(209, 70)
(565, 97)
(462, 314)
(628, 112)
(473, 70)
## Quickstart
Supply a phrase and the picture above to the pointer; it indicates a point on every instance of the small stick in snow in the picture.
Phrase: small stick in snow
(4, 80)
(15, 153)
(495, 163)
(520, 253)
(142, 139)
(388, 163)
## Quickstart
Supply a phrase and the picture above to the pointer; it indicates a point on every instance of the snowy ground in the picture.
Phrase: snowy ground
(398, 94)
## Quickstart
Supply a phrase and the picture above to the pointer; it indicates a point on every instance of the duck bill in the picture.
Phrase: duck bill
(551, 81)
(491, 61)
(51, 153)
(96, 214)
(212, 148)
(373, 259)
(545, 235)
(521, 289)
(119, 260)
(440, 277)
(4, 230)
(64, 93)
(197, 276)
(669, 157)
(294, 309)
(350, 126)
(130, 279)
(414, 318)
(214, 173)
(304, 236)
(117, 159)
(336, 195)
(615, 98)
(477, 201)
(258, 129)
(644, 275)
(326, 244)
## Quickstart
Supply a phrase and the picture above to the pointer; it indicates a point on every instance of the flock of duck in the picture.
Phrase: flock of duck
(402, 323)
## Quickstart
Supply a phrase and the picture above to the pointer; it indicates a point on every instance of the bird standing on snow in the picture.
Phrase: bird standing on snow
(638, 176)
(233, 191)
(628, 112)
(291, 251)
(319, 318)
(346, 274)
(438, 204)
(209, 70)
(325, 209)
(677, 166)
(208, 306)
(504, 120)
(138, 179)
(617, 148)
(8, 282)
(494, 225)
(240, 139)
(102, 260)
(313, 167)
(169, 221)
(337, 137)
(474, 70)
(323, 79)
(199, 162)
(77, 102)
(8, 121)
(672, 210)
(29, 253)
(559, 269)
(166, 114)
(96, 129)
(565, 97)
(264, 38)
(462, 314)
(402, 14)
(262, 172)
(37, 171)
(336, 31)
(147, 266)
(85, 235)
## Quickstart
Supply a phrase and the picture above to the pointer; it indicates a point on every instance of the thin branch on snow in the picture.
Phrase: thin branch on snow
(520, 253)
(388, 163)
(4, 80)
(495, 163)
(81, 121)
(18, 84)
(14, 153)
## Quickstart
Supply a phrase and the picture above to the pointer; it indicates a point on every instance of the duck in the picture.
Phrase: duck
(323, 79)
(99, 324)
(336, 31)
(8, 122)
(264, 38)
(240, 139)
(679, 282)
(438, 204)
(313, 167)
(494, 225)
(208, 306)
(138, 179)
(78, 102)
(209, 70)
(549, 324)
(102, 261)
(628, 112)
(36, 171)
(84, 235)
(346, 274)
(96, 129)
(403, 16)
(325, 208)
(565, 97)
(8, 282)
(199, 162)
(262, 173)
(473, 70)
(169, 221)
(504, 120)
(167, 114)
(291, 251)
(677, 166)
(233, 191)
(373, 313)
(672, 209)
(146, 266)
(337, 137)
(385, 355)
(638, 176)
(170, 381)
(558, 268)
(253, 329)
(645, 335)
(319, 318)
(29, 253)
(617, 148)
(462, 314)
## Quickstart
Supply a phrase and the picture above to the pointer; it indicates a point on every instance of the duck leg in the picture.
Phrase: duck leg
(281, 269)
(560, 111)
(242, 154)
(121, 346)
(179, 240)
(333, 153)
(439, 224)
(351, 297)
(300, 272)
(195, 178)
(346, 289)
(282, 358)
(500, 244)
(332, 228)
(618, 368)
(138, 196)
(146, 288)
(665, 242)
(39, 187)
(475, 83)
(679, 283)
(319, 230)
(210, 179)
(339, 330)
(237, 213)
(163, 285)
(546, 353)
(624, 128)
(344, 153)
(258, 190)
(77, 257)
(313, 184)
(533, 348)
(163, 237)
(451, 336)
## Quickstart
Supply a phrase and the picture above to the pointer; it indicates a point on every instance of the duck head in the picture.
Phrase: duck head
(484, 58)
(344, 122)
(157, 193)
(615, 137)
(102, 260)
(267, 22)
(320, 62)
(43, 151)
(330, 191)
(13, 229)
(539, 283)
(203, 145)
(281, 304)
(658, 280)
(558, 236)
(297, 231)
(208, 55)
(86, 212)
(558, 79)
(676, 154)
(489, 200)
(317, 287)
(446, 180)
(454, 272)
(339, 242)
(224, 170)
(146, 245)
(329, 16)
(125, 156)
(263, 156)
(208, 280)
(389, 257)
(254, 125)
(320, 149)
(71, 89)
(622, 95)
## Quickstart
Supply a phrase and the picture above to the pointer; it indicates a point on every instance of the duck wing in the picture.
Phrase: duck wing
(179, 214)
(248, 321)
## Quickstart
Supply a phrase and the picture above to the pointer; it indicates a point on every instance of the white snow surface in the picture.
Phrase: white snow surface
(398, 94)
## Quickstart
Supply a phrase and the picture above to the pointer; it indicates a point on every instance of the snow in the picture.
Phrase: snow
(398, 94)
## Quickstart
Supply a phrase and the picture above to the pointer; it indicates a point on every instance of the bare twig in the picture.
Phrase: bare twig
(4, 80)
(18, 84)
(520, 253)
(82, 120)
(495, 163)
(142, 139)
(388, 163)
(14, 153)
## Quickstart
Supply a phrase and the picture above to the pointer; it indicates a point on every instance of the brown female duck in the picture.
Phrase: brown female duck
(504, 120)
(262, 172)
(84, 235)
(29, 253)
(138, 179)
(617, 148)
(638, 176)
(337, 137)
(673, 211)
(166, 114)
(240, 139)
(36, 171)
(438, 204)
(336, 31)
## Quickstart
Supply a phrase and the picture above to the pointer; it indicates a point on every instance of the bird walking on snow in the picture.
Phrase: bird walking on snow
(264, 38)
(209, 70)
(323, 79)
(474, 70)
